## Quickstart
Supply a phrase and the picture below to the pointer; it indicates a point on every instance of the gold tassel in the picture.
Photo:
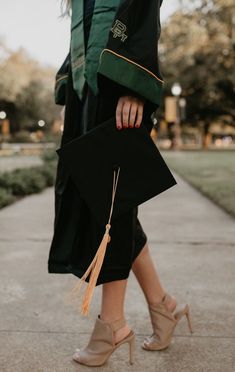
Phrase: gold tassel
(96, 264)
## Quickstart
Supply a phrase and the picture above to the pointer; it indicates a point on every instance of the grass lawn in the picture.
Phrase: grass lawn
(211, 172)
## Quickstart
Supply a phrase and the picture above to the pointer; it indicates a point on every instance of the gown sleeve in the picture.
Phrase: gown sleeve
(129, 62)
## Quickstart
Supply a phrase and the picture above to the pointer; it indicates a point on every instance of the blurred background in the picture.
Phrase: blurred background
(194, 127)
(191, 238)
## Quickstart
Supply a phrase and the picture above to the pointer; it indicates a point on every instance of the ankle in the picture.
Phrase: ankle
(110, 318)
(157, 299)
(169, 301)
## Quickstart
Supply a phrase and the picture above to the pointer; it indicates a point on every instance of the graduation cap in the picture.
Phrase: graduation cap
(114, 171)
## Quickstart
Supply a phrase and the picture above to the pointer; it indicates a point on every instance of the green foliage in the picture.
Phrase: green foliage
(211, 172)
(23, 181)
(26, 90)
(35, 102)
(198, 50)
(48, 173)
(5, 197)
(49, 156)
(26, 181)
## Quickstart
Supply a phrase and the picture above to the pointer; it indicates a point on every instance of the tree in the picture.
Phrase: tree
(198, 49)
(26, 89)
(35, 103)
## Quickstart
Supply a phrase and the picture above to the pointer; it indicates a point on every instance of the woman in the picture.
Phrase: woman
(111, 69)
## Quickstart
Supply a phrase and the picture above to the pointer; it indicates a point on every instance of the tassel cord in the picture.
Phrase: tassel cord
(95, 266)
(115, 182)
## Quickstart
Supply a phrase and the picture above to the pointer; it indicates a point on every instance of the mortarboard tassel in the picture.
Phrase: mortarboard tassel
(96, 264)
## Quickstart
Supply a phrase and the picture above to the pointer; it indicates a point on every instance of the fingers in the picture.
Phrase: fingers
(126, 113)
(119, 113)
(139, 116)
(133, 112)
(129, 112)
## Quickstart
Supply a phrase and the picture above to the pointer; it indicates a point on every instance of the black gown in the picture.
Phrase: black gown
(76, 235)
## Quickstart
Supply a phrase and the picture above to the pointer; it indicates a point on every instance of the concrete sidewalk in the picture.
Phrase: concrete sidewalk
(193, 245)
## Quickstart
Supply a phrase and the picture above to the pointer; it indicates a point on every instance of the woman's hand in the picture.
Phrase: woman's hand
(129, 112)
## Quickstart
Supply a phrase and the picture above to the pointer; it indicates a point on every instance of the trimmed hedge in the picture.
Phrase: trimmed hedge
(6, 198)
(26, 181)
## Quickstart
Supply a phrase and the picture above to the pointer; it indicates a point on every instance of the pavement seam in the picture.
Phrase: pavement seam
(87, 333)
(183, 242)
(27, 239)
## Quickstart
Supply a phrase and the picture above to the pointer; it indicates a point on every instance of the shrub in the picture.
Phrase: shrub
(5, 197)
(49, 155)
(26, 181)
(23, 181)
(48, 171)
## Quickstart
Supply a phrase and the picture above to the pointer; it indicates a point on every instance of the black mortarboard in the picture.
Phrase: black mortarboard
(114, 171)
(92, 157)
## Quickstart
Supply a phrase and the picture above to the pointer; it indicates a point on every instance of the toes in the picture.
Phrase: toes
(145, 345)
(76, 355)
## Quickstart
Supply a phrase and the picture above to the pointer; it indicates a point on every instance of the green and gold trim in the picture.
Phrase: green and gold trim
(130, 74)
(59, 91)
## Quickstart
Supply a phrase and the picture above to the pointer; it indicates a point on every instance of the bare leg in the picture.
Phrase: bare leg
(148, 278)
(112, 307)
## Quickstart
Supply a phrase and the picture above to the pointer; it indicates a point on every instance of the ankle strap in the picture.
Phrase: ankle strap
(116, 324)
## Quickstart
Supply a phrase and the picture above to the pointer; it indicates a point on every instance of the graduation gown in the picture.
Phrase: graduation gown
(76, 234)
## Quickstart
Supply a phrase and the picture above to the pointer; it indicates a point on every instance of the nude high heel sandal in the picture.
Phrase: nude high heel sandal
(101, 344)
(164, 323)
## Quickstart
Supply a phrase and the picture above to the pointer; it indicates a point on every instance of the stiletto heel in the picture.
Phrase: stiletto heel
(164, 323)
(184, 310)
(101, 344)
(188, 316)
(131, 350)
